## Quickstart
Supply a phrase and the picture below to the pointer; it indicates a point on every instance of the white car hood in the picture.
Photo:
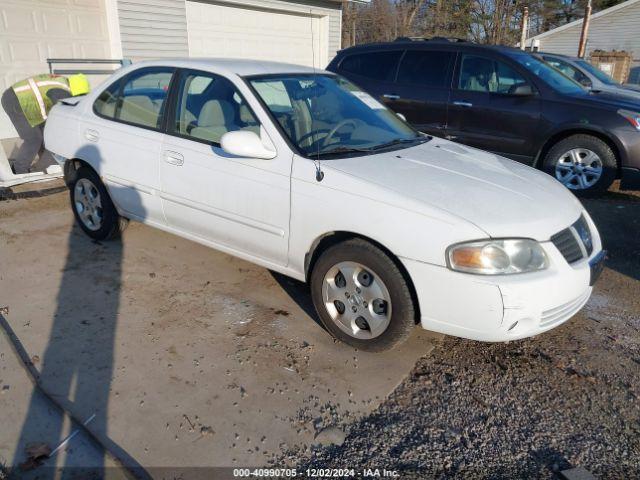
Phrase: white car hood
(501, 197)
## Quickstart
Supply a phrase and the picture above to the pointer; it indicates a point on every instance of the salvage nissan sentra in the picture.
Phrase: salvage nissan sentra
(303, 173)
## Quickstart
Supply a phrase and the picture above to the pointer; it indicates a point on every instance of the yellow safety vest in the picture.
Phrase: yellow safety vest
(32, 95)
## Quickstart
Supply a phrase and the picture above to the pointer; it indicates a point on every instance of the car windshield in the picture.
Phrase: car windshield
(326, 115)
(596, 72)
(548, 74)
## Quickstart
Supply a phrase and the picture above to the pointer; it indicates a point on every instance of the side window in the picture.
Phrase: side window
(105, 105)
(427, 68)
(480, 74)
(375, 65)
(508, 78)
(143, 97)
(570, 71)
(210, 106)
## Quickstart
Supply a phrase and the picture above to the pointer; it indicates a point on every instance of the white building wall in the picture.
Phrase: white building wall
(615, 30)
(153, 29)
(158, 28)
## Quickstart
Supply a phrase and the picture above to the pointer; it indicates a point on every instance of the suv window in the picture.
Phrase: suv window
(374, 65)
(427, 68)
(481, 74)
(210, 106)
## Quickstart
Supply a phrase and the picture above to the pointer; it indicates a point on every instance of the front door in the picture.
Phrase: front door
(489, 111)
(241, 204)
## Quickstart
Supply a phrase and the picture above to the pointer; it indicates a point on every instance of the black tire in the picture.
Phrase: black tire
(112, 224)
(587, 142)
(402, 319)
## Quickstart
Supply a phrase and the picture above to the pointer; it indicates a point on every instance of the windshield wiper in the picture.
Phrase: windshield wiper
(338, 150)
(400, 141)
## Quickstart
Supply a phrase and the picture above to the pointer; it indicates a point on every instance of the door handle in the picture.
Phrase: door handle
(174, 158)
(391, 96)
(92, 135)
(463, 104)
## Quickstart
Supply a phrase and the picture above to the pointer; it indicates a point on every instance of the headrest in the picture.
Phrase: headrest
(215, 113)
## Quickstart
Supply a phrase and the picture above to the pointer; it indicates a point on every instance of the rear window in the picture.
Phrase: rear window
(141, 99)
(373, 65)
(427, 68)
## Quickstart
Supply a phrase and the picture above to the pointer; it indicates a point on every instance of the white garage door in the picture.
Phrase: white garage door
(227, 30)
(33, 30)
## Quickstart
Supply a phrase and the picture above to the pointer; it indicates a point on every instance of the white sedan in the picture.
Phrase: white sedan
(303, 173)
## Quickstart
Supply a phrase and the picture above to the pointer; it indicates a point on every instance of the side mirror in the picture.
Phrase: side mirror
(401, 117)
(522, 90)
(245, 143)
(585, 82)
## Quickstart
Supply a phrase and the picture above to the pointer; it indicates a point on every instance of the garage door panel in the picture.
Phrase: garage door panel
(217, 30)
(60, 50)
(56, 23)
(19, 20)
(24, 52)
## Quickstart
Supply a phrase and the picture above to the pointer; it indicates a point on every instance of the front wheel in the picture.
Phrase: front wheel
(92, 206)
(583, 163)
(361, 296)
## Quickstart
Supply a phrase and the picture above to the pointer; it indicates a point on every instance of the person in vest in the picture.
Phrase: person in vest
(28, 103)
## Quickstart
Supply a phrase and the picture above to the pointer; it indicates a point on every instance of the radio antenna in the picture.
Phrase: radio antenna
(319, 172)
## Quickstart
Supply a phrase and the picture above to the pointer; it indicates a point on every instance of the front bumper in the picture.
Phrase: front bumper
(630, 178)
(505, 307)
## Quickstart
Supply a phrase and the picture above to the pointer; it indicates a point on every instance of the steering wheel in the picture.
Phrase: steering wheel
(346, 121)
(312, 134)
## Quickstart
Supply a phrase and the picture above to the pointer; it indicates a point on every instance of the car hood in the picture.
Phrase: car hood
(619, 99)
(615, 94)
(501, 197)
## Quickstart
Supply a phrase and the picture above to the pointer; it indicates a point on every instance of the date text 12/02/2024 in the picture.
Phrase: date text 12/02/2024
(315, 473)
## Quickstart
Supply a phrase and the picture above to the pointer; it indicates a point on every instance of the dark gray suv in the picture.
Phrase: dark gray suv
(505, 101)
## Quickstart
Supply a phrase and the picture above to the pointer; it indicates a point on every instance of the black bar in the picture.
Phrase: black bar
(82, 60)
(86, 72)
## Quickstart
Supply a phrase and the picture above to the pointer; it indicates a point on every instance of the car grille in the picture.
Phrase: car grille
(574, 242)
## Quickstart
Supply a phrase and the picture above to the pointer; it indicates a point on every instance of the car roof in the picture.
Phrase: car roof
(558, 55)
(241, 67)
(429, 43)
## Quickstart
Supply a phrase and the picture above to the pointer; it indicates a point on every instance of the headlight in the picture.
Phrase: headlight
(497, 257)
(632, 117)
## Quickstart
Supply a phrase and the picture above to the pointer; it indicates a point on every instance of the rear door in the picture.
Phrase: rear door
(485, 111)
(422, 89)
(123, 135)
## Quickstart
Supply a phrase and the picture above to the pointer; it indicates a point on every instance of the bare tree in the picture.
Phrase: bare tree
(482, 21)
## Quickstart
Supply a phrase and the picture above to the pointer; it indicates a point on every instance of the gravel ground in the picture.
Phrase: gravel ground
(530, 408)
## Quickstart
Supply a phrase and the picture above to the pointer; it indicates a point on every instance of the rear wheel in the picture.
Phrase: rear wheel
(361, 296)
(583, 163)
(92, 206)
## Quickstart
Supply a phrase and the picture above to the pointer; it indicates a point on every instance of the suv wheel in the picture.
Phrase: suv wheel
(361, 296)
(583, 163)
(92, 206)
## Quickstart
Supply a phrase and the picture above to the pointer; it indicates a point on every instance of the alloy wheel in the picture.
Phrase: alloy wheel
(579, 169)
(357, 300)
(88, 204)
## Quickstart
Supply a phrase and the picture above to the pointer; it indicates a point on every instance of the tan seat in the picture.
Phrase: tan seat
(139, 109)
(249, 120)
(302, 121)
(213, 121)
